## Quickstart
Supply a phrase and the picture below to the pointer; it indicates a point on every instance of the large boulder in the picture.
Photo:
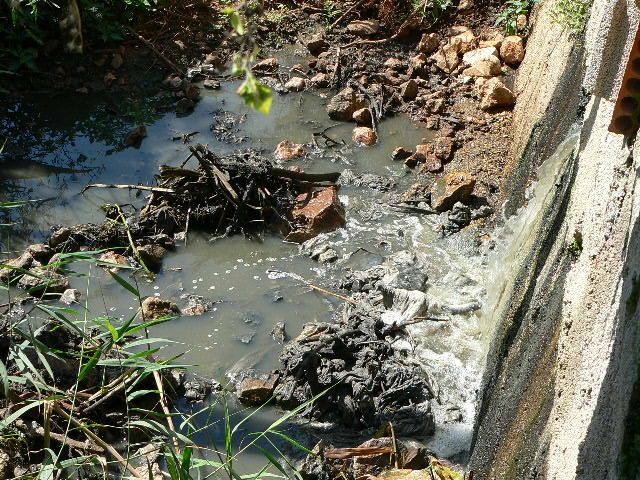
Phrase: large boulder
(40, 252)
(268, 65)
(487, 67)
(495, 94)
(474, 56)
(316, 212)
(365, 135)
(512, 50)
(453, 188)
(345, 103)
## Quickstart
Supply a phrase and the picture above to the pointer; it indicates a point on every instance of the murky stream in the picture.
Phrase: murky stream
(69, 150)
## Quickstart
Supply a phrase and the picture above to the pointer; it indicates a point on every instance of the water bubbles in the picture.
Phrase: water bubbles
(195, 287)
(231, 288)
(194, 281)
(240, 260)
(156, 294)
(156, 287)
(200, 279)
(212, 287)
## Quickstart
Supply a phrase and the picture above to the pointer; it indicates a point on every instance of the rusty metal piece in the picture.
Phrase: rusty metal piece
(626, 114)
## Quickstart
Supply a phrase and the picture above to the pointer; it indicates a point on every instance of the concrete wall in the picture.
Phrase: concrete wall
(563, 363)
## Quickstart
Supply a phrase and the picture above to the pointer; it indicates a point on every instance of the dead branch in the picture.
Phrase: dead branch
(126, 186)
(156, 51)
(345, 14)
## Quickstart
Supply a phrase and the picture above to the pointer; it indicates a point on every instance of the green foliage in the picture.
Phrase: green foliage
(432, 8)
(508, 18)
(575, 247)
(572, 14)
(331, 10)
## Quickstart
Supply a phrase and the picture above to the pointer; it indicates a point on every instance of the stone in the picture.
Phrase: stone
(431, 164)
(40, 252)
(299, 68)
(319, 80)
(363, 28)
(416, 191)
(362, 117)
(114, 259)
(453, 188)
(156, 307)
(494, 40)
(135, 136)
(328, 256)
(295, 84)
(512, 50)
(522, 22)
(317, 212)
(268, 65)
(494, 94)
(489, 67)
(443, 148)
(317, 44)
(395, 64)
(343, 105)
(196, 305)
(447, 58)
(365, 135)
(6, 464)
(287, 150)
(184, 105)
(59, 237)
(418, 65)
(172, 82)
(463, 41)
(325, 62)
(254, 392)
(46, 282)
(192, 92)
(211, 84)
(429, 43)
(465, 5)
(23, 262)
(409, 90)
(152, 256)
(70, 296)
(116, 61)
(474, 56)
(400, 154)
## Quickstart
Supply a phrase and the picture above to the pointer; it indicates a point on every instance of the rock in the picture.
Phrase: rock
(395, 64)
(400, 154)
(149, 457)
(196, 305)
(494, 94)
(268, 65)
(23, 262)
(70, 296)
(254, 392)
(489, 67)
(465, 5)
(447, 58)
(211, 84)
(381, 183)
(59, 237)
(512, 50)
(47, 282)
(443, 148)
(363, 28)
(114, 259)
(463, 39)
(474, 56)
(418, 66)
(156, 307)
(482, 211)
(409, 90)
(287, 150)
(328, 256)
(494, 40)
(295, 84)
(522, 22)
(414, 160)
(184, 105)
(455, 187)
(135, 136)
(363, 117)
(319, 80)
(458, 218)
(172, 82)
(343, 105)
(40, 252)
(196, 390)
(431, 164)
(152, 256)
(325, 62)
(316, 212)
(298, 67)
(116, 61)
(192, 92)
(317, 44)
(429, 43)
(6, 464)
(417, 191)
(365, 135)
(279, 333)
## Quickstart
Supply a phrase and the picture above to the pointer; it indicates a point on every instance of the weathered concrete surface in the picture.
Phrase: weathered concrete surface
(563, 363)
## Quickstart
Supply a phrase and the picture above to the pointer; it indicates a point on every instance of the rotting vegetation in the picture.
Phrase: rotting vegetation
(451, 72)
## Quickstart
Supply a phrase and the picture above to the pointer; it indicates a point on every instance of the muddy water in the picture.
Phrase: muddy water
(238, 274)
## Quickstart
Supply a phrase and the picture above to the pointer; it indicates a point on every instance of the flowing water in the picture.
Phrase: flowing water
(59, 145)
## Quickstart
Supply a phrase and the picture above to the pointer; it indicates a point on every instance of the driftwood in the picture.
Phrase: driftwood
(341, 453)
(125, 187)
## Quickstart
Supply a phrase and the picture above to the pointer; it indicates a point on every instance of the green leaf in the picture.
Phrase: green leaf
(235, 20)
(124, 283)
(5, 378)
(140, 393)
(293, 442)
(18, 413)
(272, 459)
(256, 94)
